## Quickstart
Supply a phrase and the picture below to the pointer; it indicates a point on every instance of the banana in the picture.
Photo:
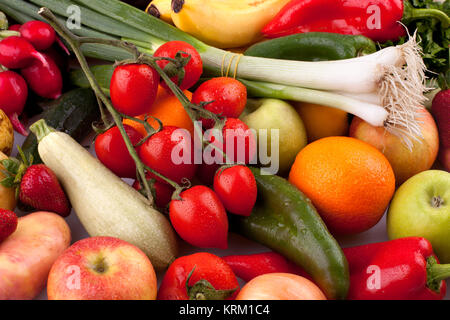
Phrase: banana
(161, 9)
(225, 23)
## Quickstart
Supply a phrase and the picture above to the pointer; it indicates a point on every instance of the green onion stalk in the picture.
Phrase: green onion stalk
(393, 78)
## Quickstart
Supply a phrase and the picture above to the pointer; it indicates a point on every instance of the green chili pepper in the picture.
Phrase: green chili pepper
(285, 220)
(313, 46)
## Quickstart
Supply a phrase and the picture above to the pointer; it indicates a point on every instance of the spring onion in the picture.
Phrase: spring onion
(391, 79)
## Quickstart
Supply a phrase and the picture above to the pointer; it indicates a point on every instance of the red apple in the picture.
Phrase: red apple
(102, 268)
(405, 162)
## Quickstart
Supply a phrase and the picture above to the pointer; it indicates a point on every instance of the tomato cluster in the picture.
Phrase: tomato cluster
(199, 214)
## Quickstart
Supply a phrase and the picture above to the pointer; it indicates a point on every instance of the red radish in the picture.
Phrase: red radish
(40, 34)
(44, 78)
(8, 223)
(14, 27)
(441, 111)
(41, 190)
(17, 53)
(13, 96)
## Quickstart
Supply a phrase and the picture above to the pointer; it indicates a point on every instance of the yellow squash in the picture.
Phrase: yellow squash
(225, 23)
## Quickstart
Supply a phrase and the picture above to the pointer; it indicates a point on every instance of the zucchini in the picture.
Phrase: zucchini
(73, 113)
(105, 204)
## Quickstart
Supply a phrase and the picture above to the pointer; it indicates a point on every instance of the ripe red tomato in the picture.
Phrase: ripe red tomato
(237, 137)
(133, 88)
(162, 192)
(237, 133)
(113, 153)
(231, 184)
(229, 98)
(157, 151)
(193, 69)
(199, 218)
(204, 266)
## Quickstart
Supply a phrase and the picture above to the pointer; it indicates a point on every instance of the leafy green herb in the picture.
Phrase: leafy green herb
(433, 37)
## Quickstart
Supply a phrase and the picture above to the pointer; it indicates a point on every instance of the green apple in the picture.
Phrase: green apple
(277, 114)
(421, 208)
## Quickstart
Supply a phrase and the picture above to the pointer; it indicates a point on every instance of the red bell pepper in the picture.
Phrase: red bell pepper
(402, 269)
(375, 19)
(250, 266)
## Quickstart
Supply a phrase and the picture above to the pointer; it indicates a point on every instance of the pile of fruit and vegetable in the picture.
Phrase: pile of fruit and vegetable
(212, 150)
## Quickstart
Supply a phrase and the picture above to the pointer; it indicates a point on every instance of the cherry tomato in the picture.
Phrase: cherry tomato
(177, 285)
(229, 98)
(113, 153)
(199, 218)
(237, 133)
(230, 184)
(280, 286)
(133, 88)
(193, 69)
(162, 192)
(157, 151)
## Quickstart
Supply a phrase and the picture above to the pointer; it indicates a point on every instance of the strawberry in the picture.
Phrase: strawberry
(36, 186)
(8, 223)
(41, 190)
(441, 112)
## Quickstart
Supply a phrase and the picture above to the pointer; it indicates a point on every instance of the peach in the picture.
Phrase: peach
(27, 255)
(102, 268)
(405, 163)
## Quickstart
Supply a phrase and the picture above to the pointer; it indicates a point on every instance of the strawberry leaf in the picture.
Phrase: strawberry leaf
(8, 182)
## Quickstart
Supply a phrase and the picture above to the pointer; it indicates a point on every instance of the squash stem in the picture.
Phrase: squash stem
(41, 129)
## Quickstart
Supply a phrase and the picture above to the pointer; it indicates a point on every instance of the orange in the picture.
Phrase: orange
(321, 121)
(169, 110)
(349, 182)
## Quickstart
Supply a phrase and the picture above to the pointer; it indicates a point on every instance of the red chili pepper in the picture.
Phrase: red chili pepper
(250, 266)
(376, 19)
(402, 269)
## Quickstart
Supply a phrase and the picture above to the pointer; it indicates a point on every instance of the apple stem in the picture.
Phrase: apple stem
(437, 202)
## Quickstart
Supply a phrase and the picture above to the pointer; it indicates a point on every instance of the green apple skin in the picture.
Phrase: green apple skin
(277, 114)
(412, 214)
